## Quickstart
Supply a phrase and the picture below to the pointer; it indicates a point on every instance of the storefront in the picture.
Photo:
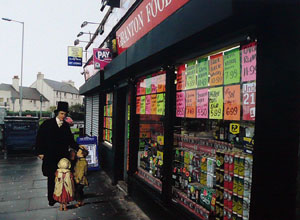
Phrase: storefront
(196, 110)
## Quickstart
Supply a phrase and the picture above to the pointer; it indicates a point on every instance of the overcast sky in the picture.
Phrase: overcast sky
(50, 27)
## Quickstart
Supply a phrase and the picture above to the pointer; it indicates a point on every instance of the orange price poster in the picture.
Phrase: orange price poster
(180, 77)
(138, 105)
(161, 83)
(148, 104)
(144, 130)
(153, 104)
(190, 103)
(232, 103)
(216, 67)
(143, 86)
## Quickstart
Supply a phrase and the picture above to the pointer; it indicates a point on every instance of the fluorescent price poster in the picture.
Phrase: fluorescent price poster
(160, 104)
(138, 105)
(232, 66)
(216, 70)
(202, 103)
(154, 84)
(180, 104)
(180, 78)
(148, 104)
(190, 103)
(216, 103)
(232, 105)
(143, 87)
(249, 100)
(153, 104)
(138, 88)
(161, 83)
(191, 77)
(202, 71)
(148, 85)
(249, 62)
(143, 105)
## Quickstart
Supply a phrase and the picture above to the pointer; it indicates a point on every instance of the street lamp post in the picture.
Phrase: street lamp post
(21, 88)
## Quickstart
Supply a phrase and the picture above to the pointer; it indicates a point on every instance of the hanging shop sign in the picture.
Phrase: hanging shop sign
(101, 57)
(74, 56)
(91, 145)
(148, 15)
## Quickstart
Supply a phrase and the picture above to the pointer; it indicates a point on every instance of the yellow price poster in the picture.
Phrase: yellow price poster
(160, 140)
(216, 103)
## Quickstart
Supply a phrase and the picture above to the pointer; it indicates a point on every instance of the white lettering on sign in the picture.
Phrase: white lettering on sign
(102, 55)
(149, 14)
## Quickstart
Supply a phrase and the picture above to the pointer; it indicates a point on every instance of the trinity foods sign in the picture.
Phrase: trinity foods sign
(148, 15)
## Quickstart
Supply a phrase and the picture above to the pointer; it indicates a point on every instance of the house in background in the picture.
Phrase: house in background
(10, 97)
(57, 91)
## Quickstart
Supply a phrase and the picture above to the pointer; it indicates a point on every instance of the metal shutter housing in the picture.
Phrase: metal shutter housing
(88, 115)
(95, 116)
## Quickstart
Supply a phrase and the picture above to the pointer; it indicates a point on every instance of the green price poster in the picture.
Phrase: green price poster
(143, 105)
(216, 103)
(191, 77)
(232, 66)
(202, 71)
(160, 104)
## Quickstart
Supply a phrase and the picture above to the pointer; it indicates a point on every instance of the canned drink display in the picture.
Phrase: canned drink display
(235, 203)
(240, 190)
(235, 184)
(225, 195)
(240, 205)
(220, 159)
(247, 188)
(236, 164)
(211, 165)
(221, 213)
(248, 166)
(246, 208)
(229, 200)
(226, 162)
(203, 164)
(241, 166)
(234, 216)
(231, 162)
(210, 180)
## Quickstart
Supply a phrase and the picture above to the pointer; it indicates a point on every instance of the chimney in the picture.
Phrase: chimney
(15, 83)
(40, 76)
(70, 82)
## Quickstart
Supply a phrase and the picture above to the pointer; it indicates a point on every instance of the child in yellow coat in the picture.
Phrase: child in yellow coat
(80, 175)
(64, 185)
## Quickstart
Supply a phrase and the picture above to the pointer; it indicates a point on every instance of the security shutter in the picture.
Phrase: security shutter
(88, 116)
(95, 116)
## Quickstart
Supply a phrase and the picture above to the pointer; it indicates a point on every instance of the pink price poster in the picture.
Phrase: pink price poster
(202, 103)
(154, 84)
(148, 104)
(249, 100)
(180, 104)
(249, 62)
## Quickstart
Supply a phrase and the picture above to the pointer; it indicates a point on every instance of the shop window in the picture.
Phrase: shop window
(150, 106)
(214, 133)
(107, 122)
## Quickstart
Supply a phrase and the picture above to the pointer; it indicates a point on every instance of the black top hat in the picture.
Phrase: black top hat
(62, 106)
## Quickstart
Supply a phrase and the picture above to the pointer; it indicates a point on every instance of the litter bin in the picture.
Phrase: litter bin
(20, 132)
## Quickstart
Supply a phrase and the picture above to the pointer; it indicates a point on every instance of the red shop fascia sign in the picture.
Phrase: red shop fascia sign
(148, 15)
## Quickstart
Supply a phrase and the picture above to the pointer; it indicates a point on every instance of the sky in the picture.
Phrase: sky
(50, 27)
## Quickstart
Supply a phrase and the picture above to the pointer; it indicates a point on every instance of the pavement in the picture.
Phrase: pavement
(23, 195)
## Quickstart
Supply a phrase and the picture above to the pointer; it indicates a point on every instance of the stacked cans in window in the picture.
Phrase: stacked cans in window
(233, 185)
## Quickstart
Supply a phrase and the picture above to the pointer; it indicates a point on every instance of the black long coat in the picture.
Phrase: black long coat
(54, 142)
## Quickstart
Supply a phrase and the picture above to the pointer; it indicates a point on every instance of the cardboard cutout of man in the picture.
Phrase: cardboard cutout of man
(53, 140)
